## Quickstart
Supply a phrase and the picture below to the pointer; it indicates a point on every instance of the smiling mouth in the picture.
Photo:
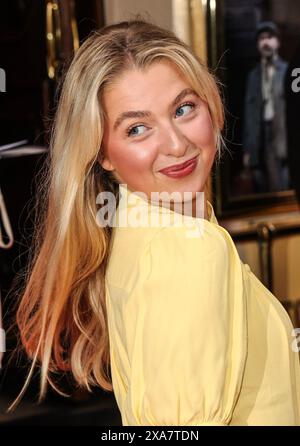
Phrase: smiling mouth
(177, 167)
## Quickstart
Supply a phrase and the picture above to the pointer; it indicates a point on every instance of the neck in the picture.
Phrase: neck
(270, 59)
(194, 208)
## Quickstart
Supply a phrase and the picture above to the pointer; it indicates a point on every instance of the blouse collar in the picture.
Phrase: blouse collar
(133, 199)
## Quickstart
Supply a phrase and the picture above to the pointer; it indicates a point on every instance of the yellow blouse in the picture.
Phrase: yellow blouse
(195, 337)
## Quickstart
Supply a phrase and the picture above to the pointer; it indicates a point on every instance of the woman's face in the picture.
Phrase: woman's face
(156, 120)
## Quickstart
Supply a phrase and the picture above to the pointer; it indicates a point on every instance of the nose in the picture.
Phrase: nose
(172, 141)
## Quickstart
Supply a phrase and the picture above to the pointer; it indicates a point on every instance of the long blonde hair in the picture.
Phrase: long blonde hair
(62, 315)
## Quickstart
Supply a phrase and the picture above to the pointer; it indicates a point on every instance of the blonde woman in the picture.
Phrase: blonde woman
(165, 315)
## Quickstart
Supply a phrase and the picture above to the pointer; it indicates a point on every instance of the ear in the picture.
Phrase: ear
(104, 161)
(106, 164)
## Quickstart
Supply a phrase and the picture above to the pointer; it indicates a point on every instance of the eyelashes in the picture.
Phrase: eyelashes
(189, 104)
(130, 131)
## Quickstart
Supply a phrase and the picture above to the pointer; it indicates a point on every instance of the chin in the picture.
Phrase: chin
(198, 187)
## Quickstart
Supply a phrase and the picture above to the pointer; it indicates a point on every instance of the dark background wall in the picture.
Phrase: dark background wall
(26, 110)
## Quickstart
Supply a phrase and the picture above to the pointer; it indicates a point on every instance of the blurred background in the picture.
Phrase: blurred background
(37, 41)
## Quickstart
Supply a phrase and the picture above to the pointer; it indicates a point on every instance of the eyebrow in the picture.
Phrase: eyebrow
(147, 113)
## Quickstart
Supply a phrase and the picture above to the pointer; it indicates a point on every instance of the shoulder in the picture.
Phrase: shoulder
(196, 260)
(170, 248)
(282, 63)
(197, 237)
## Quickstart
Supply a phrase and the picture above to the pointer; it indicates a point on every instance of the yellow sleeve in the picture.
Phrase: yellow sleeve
(190, 346)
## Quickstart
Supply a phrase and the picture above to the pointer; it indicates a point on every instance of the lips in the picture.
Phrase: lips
(178, 166)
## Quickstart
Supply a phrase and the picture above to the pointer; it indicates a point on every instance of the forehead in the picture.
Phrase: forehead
(266, 35)
(138, 87)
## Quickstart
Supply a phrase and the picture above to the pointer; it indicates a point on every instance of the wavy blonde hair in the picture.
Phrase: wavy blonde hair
(62, 315)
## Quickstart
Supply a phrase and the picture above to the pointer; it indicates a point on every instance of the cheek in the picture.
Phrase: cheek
(128, 156)
(200, 131)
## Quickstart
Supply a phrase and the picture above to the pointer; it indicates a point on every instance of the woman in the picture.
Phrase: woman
(189, 334)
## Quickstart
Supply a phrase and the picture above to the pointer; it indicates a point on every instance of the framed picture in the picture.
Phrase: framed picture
(250, 44)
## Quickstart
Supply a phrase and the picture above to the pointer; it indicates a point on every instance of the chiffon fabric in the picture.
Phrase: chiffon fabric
(195, 338)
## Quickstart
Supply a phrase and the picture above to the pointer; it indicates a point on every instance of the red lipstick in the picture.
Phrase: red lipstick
(180, 170)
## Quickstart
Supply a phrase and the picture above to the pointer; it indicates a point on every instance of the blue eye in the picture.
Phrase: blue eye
(133, 131)
(184, 109)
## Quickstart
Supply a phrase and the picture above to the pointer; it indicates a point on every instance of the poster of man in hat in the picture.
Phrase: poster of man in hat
(264, 126)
